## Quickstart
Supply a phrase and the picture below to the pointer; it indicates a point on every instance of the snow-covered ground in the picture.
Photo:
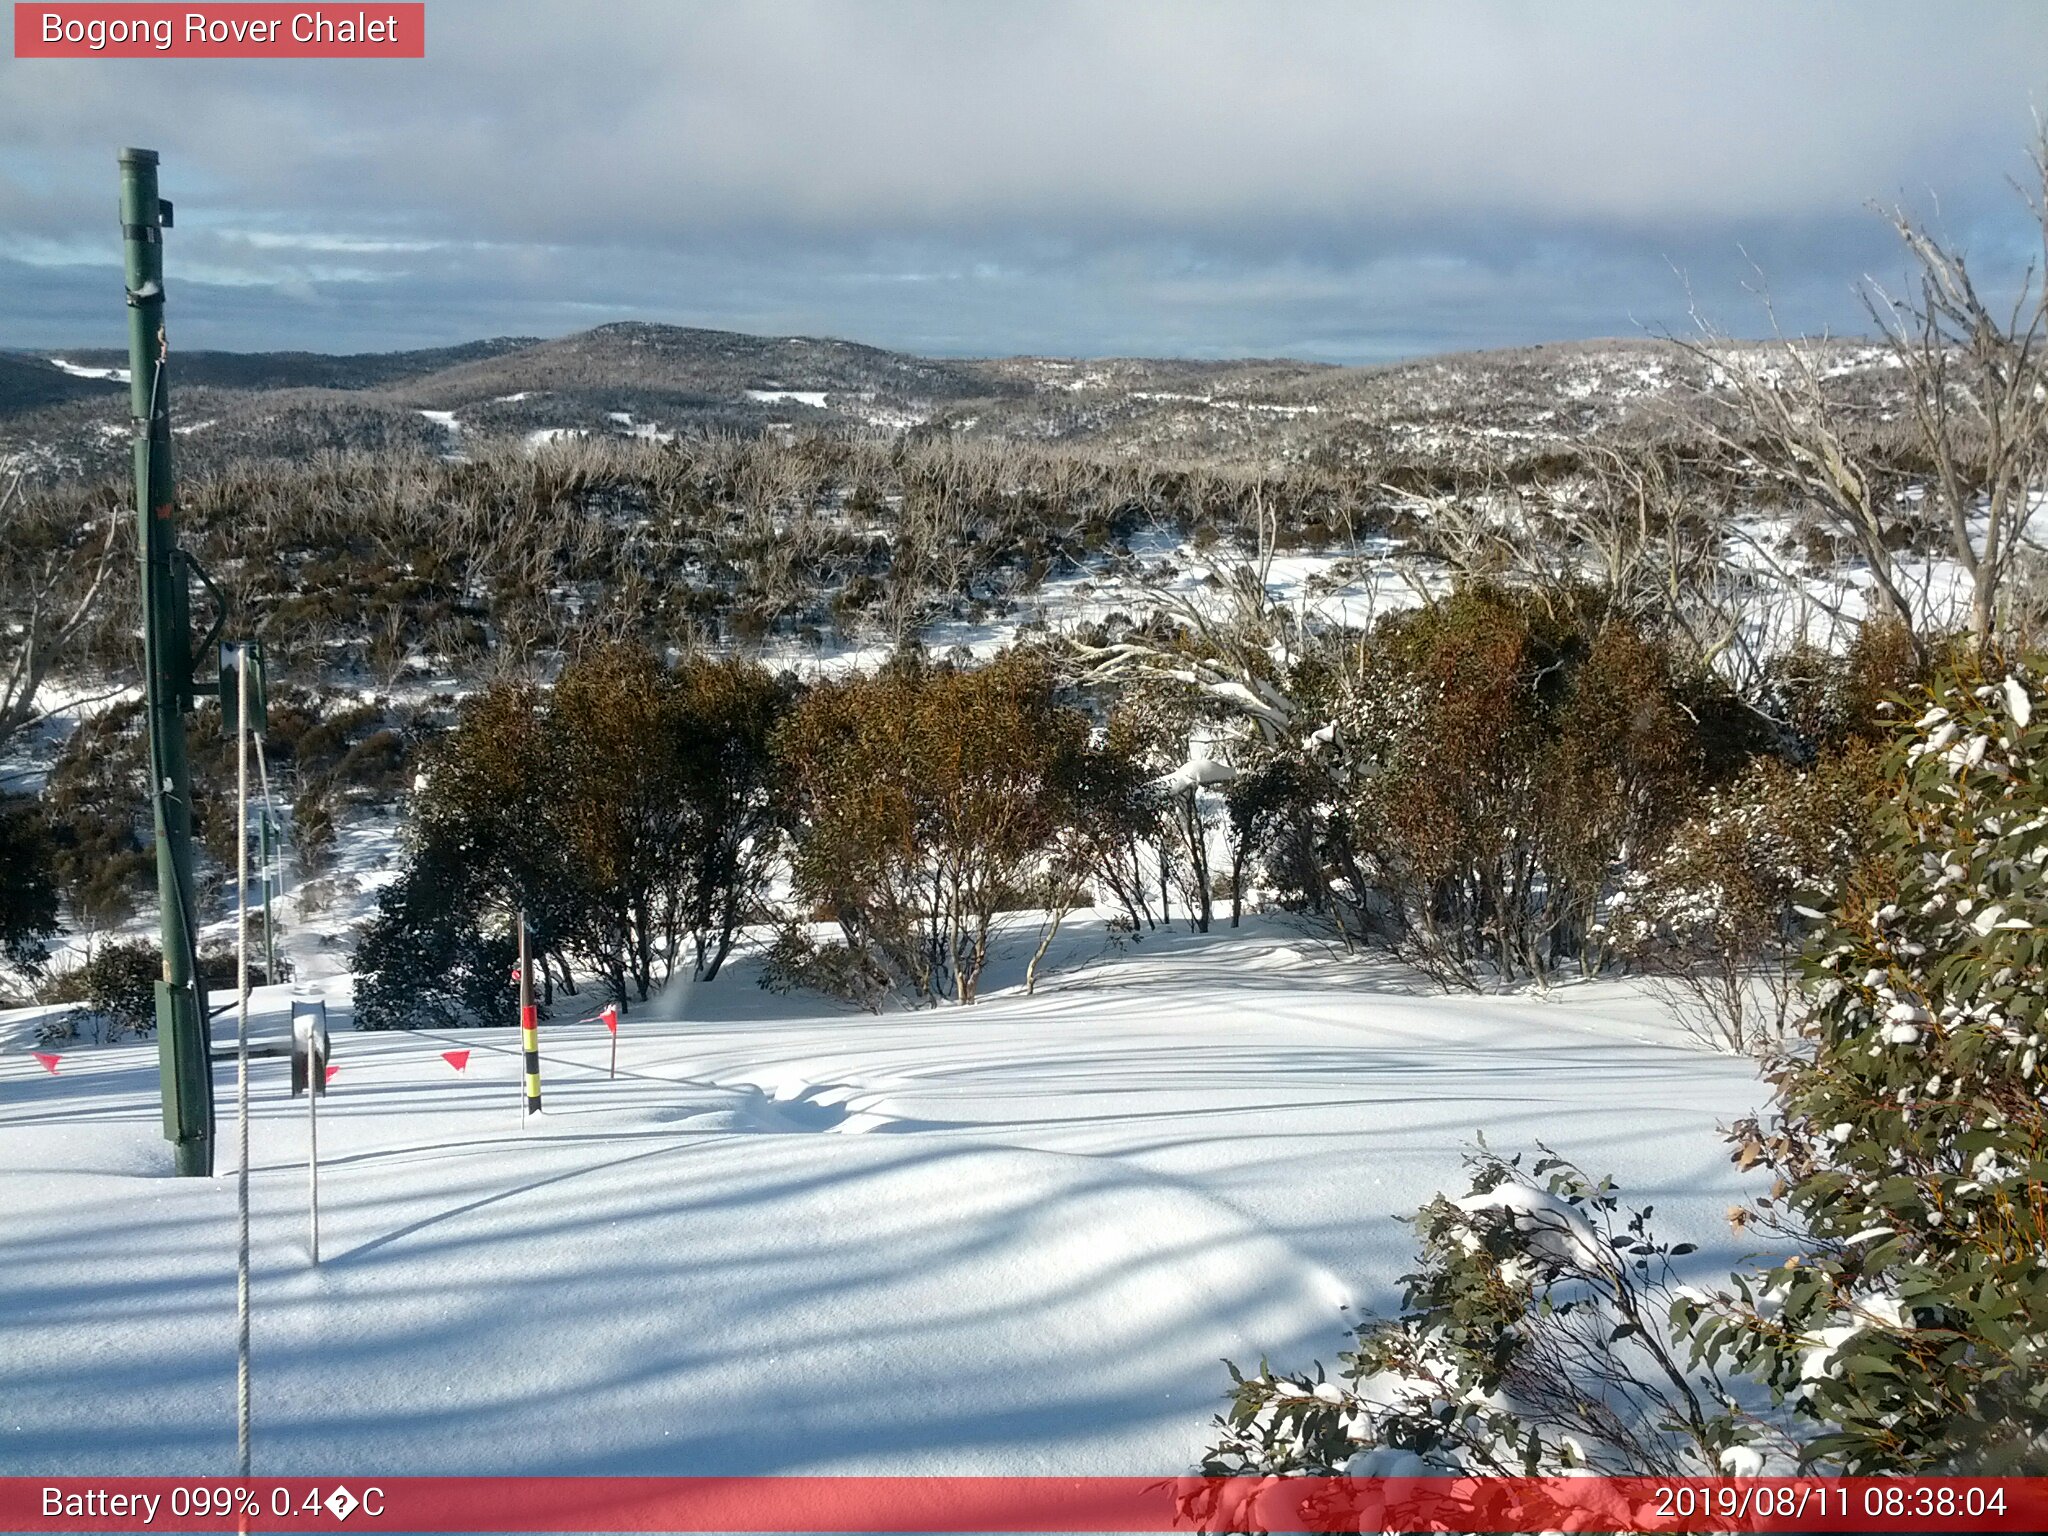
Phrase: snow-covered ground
(1013, 1238)
(80, 371)
(814, 398)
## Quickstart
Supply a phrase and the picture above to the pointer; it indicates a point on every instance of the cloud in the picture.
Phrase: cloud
(1057, 176)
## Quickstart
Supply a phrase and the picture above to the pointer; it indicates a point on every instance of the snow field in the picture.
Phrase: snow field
(1017, 1238)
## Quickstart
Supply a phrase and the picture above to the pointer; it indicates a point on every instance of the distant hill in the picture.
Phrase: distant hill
(35, 383)
(308, 370)
(683, 360)
(643, 380)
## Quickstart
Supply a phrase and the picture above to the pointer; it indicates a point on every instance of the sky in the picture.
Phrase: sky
(1344, 182)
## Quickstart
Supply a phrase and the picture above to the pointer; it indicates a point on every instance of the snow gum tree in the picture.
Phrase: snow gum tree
(629, 811)
(925, 801)
(1503, 759)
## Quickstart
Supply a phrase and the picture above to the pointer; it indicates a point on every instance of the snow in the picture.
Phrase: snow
(1559, 1232)
(650, 430)
(815, 398)
(1196, 773)
(1881, 1310)
(1742, 1461)
(2017, 704)
(1017, 1238)
(80, 371)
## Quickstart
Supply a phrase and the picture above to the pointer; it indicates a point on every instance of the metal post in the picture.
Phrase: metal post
(529, 1023)
(309, 1075)
(316, 1084)
(274, 846)
(183, 1046)
(269, 943)
(242, 1060)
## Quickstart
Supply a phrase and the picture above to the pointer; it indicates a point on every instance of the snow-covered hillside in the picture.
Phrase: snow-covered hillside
(1017, 1238)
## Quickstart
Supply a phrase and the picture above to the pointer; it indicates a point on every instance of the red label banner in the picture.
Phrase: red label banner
(1004, 1504)
(117, 31)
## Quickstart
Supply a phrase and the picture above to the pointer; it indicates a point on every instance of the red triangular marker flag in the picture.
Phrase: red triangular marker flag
(330, 1073)
(459, 1060)
(49, 1062)
(611, 1019)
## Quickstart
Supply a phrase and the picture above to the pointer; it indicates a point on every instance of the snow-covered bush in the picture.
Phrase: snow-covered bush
(1533, 1340)
(1911, 1135)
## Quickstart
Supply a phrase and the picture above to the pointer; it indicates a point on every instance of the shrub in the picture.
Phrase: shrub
(795, 960)
(425, 959)
(1715, 917)
(97, 802)
(922, 799)
(1509, 758)
(629, 812)
(117, 986)
(1532, 1341)
(28, 886)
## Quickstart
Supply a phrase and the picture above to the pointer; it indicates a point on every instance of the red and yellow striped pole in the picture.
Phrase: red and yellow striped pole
(529, 1024)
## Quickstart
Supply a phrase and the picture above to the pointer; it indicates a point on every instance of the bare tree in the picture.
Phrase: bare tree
(1977, 388)
(1974, 387)
(50, 582)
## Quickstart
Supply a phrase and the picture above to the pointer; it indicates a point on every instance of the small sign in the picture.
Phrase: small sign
(309, 1046)
(231, 694)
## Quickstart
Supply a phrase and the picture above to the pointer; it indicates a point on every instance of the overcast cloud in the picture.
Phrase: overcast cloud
(1348, 182)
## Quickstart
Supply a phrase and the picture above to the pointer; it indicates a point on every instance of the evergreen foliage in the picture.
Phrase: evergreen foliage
(1910, 1142)
(28, 894)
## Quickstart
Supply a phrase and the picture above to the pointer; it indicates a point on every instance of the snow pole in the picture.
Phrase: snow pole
(316, 1084)
(609, 1018)
(529, 1023)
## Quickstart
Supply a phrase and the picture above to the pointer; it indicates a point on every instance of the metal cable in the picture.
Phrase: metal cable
(242, 1059)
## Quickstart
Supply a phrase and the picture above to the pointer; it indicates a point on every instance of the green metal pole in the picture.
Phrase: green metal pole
(183, 1046)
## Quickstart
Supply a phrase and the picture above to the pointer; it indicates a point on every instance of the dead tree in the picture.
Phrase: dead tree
(50, 582)
(1974, 387)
